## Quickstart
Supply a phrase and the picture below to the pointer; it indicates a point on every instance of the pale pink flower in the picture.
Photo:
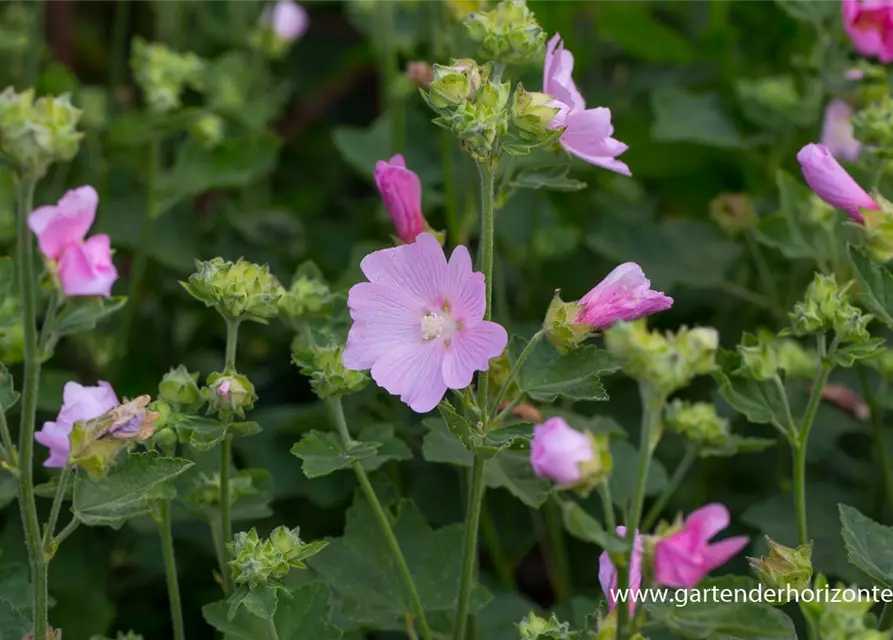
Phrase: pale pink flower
(869, 24)
(78, 403)
(401, 192)
(288, 19)
(831, 182)
(837, 131)
(684, 558)
(86, 269)
(607, 572)
(625, 294)
(557, 450)
(65, 223)
(418, 322)
(854, 74)
(223, 389)
(588, 133)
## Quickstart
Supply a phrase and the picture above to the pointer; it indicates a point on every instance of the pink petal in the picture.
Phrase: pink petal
(466, 291)
(66, 223)
(837, 131)
(289, 20)
(86, 269)
(675, 565)
(607, 572)
(558, 71)
(384, 318)
(418, 268)
(413, 372)
(707, 521)
(470, 350)
(556, 451)
(721, 552)
(625, 294)
(588, 136)
(401, 192)
(831, 182)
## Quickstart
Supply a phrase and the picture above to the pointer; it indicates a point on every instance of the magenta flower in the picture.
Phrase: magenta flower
(837, 131)
(588, 133)
(682, 559)
(418, 322)
(625, 294)
(607, 572)
(86, 269)
(831, 182)
(66, 223)
(869, 25)
(78, 403)
(401, 192)
(557, 450)
(288, 19)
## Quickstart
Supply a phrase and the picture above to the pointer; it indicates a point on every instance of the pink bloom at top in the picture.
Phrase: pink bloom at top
(418, 323)
(682, 559)
(78, 403)
(831, 182)
(837, 131)
(869, 25)
(401, 192)
(288, 19)
(588, 133)
(65, 223)
(625, 294)
(86, 269)
(557, 450)
(607, 572)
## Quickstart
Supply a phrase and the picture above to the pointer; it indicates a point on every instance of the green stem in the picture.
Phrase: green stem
(555, 531)
(487, 219)
(765, 273)
(47, 338)
(27, 502)
(274, 634)
(451, 206)
(118, 53)
(604, 492)
(876, 417)
(170, 570)
(232, 342)
(678, 476)
(516, 367)
(225, 533)
(469, 551)
(336, 411)
(790, 429)
(388, 70)
(67, 531)
(504, 569)
(36, 48)
(885, 622)
(50, 529)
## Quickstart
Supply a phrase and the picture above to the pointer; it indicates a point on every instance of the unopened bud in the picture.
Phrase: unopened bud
(759, 358)
(208, 129)
(180, 388)
(534, 628)
(241, 290)
(698, 423)
(509, 33)
(826, 307)
(308, 295)
(561, 327)
(878, 229)
(230, 393)
(532, 112)
(784, 567)
(846, 400)
(453, 85)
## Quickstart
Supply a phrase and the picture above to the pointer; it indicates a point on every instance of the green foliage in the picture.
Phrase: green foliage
(547, 374)
(869, 545)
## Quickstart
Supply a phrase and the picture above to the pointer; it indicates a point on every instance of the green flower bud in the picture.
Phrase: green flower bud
(532, 112)
(535, 628)
(842, 620)
(873, 124)
(698, 423)
(509, 33)
(241, 290)
(733, 212)
(208, 129)
(784, 566)
(826, 307)
(163, 74)
(327, 374)
(697, 347)
(759, 358)
(878, 231)
(257, 561)
(560, 325)
(180, 388)
(796, 361)
(285, 540)
(454, 85)
(230, 393)
(597, 469)
(34, 134)
(308, 295)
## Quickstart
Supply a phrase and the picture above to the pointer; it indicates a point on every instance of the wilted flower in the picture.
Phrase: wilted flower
(567, 456)
(837, 131)
(418, 322)
(401, 192)
(870, 27)
(79, 403)
(587, 132)
(419, 73)
(607, 572)
(846, 400)
(831, 182)
(684, 558)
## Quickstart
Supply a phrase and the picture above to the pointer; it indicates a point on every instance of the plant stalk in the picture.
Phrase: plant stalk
(170, 570)
(225, 534)
(678, 476)
(516, 367)
(877, 424)
(50, 529)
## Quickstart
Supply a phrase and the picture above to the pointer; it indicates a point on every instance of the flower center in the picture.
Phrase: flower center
(438, 326)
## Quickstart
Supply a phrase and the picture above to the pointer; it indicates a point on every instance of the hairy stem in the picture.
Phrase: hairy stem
(170, 570)
(516, 367)
(604, 492)
(558, 547)
(225, 533)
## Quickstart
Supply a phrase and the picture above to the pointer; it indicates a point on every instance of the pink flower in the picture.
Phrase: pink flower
(625, 294)
(869, 25)
(288, 19)
(401, 192)
(837, 131)
(588, 133)
(65, 223)
(607, 572)
(557, 450)
(854, 74)
(418, 322)
(831, 182)
(682, 559)
(86, 269)
(78, 403)
(223, 389)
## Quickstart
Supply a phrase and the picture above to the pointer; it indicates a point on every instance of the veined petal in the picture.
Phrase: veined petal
(465, 291)
(384, 318)
(470, 350)
(418, 268)
(413, 372)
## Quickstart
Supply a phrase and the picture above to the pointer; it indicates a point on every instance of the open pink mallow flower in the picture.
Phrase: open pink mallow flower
(401, 192)
(588, 133)
(625, 294)
(832, 183)
(288, 19)
(837, 131)
(869, 25)
(78, 403)
(607, 572)
(418, 323)
(684, 558)
(557, 449)
(64, 223)
(86, 269)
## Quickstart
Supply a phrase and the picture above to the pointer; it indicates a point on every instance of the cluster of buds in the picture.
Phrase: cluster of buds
(733, 212)
(698, 423)
(842, 619)
(327, 373)
(260, 561)
(229, 394)
(308, 295)
(239, 290)
(763, 355)
(280, 24)
(163, 74)
(179, 388)
(873, 125)
(666, 361)
(784, 567)
(509, 33)
(826, 307)
(36, 133)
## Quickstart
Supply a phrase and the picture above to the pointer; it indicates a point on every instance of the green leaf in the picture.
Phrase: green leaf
(639, 33)
(305, 614)
(761, 401)
(261, 601)
(735, 445)
(705, 617)
(122, 493)
(547, 374)
(583, 526)
(14, 624)
(201, 432)
(877, 286)
(810, 11)
(322, 453)
(460, 427)
(680, 116)
(8, 395)
(390, 447)
(244, 429)
(82, 314)
(554, 179)
(869, 545)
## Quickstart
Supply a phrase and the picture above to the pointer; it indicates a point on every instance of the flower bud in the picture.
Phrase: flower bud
(308, 295)
(453, 85)
(573, 459)
(509, 33)
(327, 373)
(826, 307)
(759, 358)
(873, 124)
(878, 230)
(162, 74)
(230, 393)
(285, 540)
(532, 112)
(698, 423)
(461, 9)
(241, 290)
(419, 73)
(180, 388)
(257, 561)
(280, 25)
(533, 627)
(784, 566)
(208, 129)
(733, 212)
(561, 326)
